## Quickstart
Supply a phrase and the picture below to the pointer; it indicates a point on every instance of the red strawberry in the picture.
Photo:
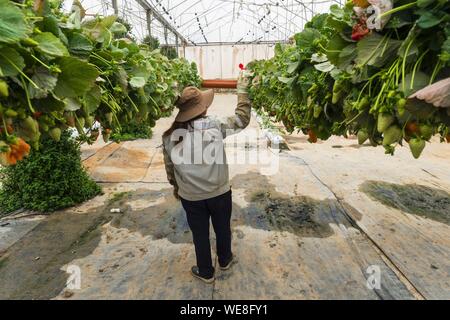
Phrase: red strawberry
(312, 136)
(37, 115)
(360, 30)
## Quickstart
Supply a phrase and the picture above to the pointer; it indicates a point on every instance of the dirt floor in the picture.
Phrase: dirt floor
(328, 221)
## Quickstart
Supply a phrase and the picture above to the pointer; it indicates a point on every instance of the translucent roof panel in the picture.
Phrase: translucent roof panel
(238, 20)
(213, 21)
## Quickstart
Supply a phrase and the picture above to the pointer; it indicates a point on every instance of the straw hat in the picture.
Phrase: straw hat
(192, 103)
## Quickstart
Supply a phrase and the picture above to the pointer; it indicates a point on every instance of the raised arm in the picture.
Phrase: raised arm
(242, 115)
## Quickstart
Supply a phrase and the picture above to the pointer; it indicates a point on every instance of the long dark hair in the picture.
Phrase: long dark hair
(181, 125)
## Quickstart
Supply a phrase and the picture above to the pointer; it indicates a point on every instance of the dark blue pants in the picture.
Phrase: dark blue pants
(198, 216)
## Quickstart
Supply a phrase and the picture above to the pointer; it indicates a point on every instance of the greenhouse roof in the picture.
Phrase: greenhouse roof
(213, 21)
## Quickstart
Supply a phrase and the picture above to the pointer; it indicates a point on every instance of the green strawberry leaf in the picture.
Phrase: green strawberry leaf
(97, 32)
(50, 45)
(44, 80)
(118, 28)
(288, 81)
(72, 104)
(12, 23)
(326, 66)
(376, 50)
(137, 82)
(49, 104)
(306, 38)
(92, 99)
(293, 67)
(11, 63)
(122, 78)
(51, 25)
(424, 3)
(108, 21)
(411, 85)
(334, 49)
(347, 56)
(76, 78)
(428, 19)
(80, 45)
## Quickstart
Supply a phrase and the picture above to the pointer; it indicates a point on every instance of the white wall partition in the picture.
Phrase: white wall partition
(222, 61)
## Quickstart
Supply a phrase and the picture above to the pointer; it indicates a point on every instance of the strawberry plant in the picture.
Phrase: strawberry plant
(50, 179)
(350, 74)
(60, 71)
(132, 131)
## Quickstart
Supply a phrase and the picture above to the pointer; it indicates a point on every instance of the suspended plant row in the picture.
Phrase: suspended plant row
(60, 71)
(358, 70)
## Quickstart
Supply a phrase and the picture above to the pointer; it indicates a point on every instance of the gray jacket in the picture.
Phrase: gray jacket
(197, 166)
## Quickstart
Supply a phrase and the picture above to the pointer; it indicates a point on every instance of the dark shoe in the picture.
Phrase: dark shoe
(196, 273)
(228, 265)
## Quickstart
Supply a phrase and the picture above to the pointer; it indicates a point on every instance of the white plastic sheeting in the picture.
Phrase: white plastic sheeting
(222, 61)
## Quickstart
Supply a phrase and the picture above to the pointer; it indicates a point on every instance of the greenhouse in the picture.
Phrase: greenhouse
(199, 150)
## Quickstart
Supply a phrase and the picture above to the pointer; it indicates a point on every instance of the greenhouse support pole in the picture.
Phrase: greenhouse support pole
(116, 7)
(166, 35)
(149, 22)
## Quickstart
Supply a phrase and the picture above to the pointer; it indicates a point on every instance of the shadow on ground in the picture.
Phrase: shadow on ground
(266, 210)
(414, 199)
(270, 210)
(31, 269)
